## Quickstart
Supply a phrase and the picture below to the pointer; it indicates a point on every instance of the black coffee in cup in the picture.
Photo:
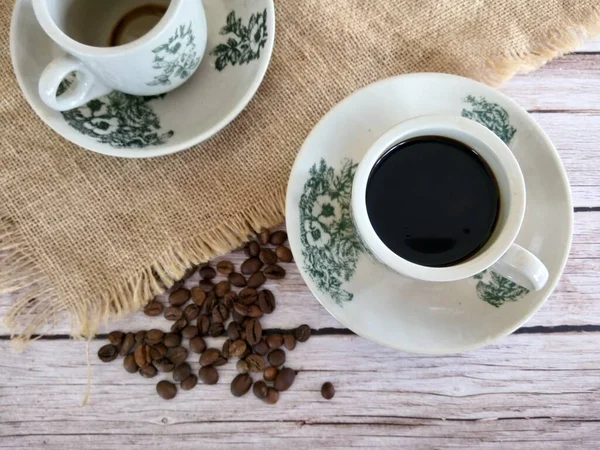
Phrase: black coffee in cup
(433, 201)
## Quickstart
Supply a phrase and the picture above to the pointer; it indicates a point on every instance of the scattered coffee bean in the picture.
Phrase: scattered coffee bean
(256, 363)
(179, 297)
(220, 313)
(197, 345)
(209, 356)
(276, 357)
(284, 254)
(108, 353)
(252, 249)
(242, 366)
(207, 272)
(327, 391)
(164, 365)
(148, 371)
(253, 331)
(208, 375)
(216, 329)
(260, 389)
(266, 301)
(248, 296)
(262, 348)
(233, 330)
(142, 355)
(189, 383)
(179, 325)
(257, 280)
(116, 338)
(255, 312)
(177, 355)
(237, 348)
(251, 265)
(267, 256)
(229, 299)
(274, 340)
(166, 389)
(128, 343)
(154, 308)
(274, 272)
(225, 267)
(289, 341)
(270, 373)
(203, 324)
(154, 336)
(221, 361)
(198, 295)
(182, 371)
(264, 236)
(222, 288)
(240, 309)
(189, 332)
(272, 396)
(172, 340)
(237, 317)
(302, 333)
(241, 384)
(173, 313)
(191, 312)
(130, 364)
(236, 279)
(284, 379)
(206, 285)
(140, 336)
(158, 351)
(278, 238)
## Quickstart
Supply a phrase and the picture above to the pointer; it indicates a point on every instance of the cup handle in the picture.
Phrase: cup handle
(87, 86)
(522, 267)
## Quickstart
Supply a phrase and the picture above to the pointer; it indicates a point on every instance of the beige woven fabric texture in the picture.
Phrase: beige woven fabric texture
(92, 236)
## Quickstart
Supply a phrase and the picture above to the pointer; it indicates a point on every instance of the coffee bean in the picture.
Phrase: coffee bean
(272, 396)
(236, 279)
(158, 351)
(116, 338)
(179, 297)
(166, 389)
(209, 375)
(207, 272)
(189, 383)
(142, 355)
(237, 317)
(225, 267)
(209, 304)
(260, 389)
(222, 288)
(302, 333)
(177, 355)
(327, 391)
(274, 272)
(148, 371)
(108, 353)
(276, 357)
(278, 238)
(128, 343)
(179, 325)
(216, 329)
(264, 236)
(248, 296)
(261, 348)
(254, 311)
(233, 331)
(252, 249)
(237, 348)
(289, 341)
(191, 312)
(242, 366)
(182, 371)
(203, 324)
(267, 256)
(140, 336)
(130, 364)
(164, 365)
(241, 384)
(173, 313)
(198, 295)
(154, 308)
(229, 299)
(206, 285)
(188, 273)
(251, 265)
(284, 379)
(274, 340)
(209, 356)
(189, 332)
(172, 340)
(221, 361)
(240, 309)
(270, 373)
(257, 280)
(256, 363)
(220, 313)
(197, 345)
(154, 336)
(284, 254)
(253, 331)
(266, 301)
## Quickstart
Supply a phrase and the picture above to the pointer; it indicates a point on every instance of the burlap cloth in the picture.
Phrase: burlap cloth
(93, 237)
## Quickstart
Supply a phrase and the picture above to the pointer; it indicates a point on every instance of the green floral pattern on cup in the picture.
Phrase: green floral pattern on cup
(496, 289)
(244, 43)
(177, 58)
(330, 245)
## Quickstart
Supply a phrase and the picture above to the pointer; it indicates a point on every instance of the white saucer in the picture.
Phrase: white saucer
(410, 315)
(142, 127)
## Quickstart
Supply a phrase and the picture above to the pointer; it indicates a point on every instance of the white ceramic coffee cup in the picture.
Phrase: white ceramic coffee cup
(499, 253)
(157, 62)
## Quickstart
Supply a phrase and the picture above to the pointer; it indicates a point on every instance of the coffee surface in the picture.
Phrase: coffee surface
(432, 201)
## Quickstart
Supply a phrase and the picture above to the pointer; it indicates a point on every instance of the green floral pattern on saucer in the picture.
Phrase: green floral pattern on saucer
(176, 58)
(244, 43)
(330, 245)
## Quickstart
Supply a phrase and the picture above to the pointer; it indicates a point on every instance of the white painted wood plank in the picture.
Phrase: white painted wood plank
(512, 390)
(593, 45)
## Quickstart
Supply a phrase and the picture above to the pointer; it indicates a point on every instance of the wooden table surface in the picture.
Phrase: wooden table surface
(538, 388)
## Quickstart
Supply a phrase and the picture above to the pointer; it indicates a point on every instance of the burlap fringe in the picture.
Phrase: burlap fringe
(37, 308)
